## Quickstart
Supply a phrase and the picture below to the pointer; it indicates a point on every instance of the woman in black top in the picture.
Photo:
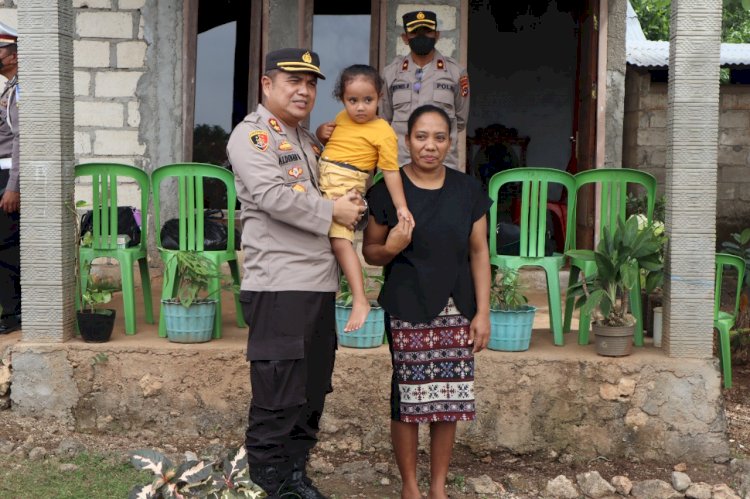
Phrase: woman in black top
(436, 296)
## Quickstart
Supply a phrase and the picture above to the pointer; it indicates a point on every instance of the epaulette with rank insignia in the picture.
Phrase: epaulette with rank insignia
(405, 65)
(440, 64)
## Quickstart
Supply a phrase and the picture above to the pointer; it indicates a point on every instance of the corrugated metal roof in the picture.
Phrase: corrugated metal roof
(655, 54)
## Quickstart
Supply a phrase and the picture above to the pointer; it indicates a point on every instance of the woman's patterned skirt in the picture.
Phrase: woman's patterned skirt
(433, 368)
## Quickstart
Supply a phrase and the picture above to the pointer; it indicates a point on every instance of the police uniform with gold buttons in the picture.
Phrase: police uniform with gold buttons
(288, 287)
(442, 82)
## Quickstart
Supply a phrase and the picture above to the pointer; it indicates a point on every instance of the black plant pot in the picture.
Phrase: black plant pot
(96, 327)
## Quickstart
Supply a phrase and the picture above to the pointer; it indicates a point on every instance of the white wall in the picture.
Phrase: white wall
(525, 80)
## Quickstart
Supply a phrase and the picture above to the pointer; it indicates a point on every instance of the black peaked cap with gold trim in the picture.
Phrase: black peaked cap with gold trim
(294, 61)
(420, 19)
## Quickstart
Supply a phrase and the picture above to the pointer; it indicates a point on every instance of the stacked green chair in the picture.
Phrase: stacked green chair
(613, 188)
(104, 180)
(724, 321)
(189, 178)
(533, 225)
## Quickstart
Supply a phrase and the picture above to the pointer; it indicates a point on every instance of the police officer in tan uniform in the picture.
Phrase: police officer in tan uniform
(290, 274)
(425, 76)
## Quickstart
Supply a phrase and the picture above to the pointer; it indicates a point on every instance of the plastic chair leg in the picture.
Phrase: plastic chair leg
(168, 290)
(555, 304)
(128, 294)
(234, 269)
(724, 350)
(148, 302)
(214, 291)
(636, 308)
(570, 299)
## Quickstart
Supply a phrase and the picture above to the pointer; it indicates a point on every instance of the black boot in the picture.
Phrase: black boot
(300, 484)
(271, 479)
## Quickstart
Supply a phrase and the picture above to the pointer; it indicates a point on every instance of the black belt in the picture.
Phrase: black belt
(346, 165)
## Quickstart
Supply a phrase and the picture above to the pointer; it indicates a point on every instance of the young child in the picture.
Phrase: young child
(355, 143)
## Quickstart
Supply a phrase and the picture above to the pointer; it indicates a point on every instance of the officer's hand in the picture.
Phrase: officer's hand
(10, 202)
(348, 209)
(324, 131)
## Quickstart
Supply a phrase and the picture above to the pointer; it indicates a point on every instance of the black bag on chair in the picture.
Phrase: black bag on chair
(126, 224)
(215, 236)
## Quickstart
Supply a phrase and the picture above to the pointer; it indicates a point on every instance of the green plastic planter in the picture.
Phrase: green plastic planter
(194, 324)
(510, 330)
(370, 335)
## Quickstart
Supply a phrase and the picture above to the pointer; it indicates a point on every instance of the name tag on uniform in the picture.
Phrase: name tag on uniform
(6, 163)
(288, 158)
(400, 86)
(445, 86)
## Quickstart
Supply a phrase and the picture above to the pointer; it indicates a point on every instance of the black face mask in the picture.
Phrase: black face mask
(422, 44)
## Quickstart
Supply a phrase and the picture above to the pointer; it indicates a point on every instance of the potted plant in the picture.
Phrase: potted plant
(95, 324)
(618, 256)
(371, 334)
(189, 316)
(511, 317)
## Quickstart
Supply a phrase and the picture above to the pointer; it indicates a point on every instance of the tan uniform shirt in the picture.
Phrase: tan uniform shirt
(444, 84)
(285, 220)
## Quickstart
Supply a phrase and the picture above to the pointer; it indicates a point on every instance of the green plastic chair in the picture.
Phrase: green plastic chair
(534, 185)
(104, 179)
(613, 184)
(724, 321)
(191, 223)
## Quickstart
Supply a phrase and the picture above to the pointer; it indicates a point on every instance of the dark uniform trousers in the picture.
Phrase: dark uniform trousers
(10, 257)
(291, 349)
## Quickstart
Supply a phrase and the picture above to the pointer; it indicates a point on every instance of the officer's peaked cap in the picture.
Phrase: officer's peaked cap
(420, 19)
(8, 35)
(294, 61)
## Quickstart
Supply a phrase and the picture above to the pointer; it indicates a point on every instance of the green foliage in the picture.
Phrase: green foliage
(194, 273)
(99, 358)
(638, 205)
(740, 246)
(372, 283)
(505, 290)
(618, 256)
(654, 17)
(97, 476)
(92, 296)
(210, 144)
(225, 479)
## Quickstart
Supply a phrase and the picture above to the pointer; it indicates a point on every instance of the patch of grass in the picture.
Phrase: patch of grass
(97, 476)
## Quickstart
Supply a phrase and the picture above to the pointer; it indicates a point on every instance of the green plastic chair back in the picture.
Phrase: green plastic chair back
(534, 187)
(724, 321)
(104, 182)
(104, 178)
(613, 184)
(190, 198)
(191, 216)
(613, 189)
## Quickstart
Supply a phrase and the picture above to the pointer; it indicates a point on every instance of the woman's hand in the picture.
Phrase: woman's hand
(399, 237)
(324, 131)
(479, 331)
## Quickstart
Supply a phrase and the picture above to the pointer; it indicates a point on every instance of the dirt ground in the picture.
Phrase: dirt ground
(350, 475)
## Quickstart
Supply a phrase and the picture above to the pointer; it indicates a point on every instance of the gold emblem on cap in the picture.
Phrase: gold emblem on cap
(420, 15)
(306, 57)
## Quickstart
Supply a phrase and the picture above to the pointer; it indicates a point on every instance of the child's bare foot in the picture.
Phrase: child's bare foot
(410, 493)
(357, 317)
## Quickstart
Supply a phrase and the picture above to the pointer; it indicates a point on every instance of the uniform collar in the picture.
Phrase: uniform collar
(273, 122)
(408, 64)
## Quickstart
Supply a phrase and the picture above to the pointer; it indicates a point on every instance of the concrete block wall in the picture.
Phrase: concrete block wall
(644, 144)
(109, 60)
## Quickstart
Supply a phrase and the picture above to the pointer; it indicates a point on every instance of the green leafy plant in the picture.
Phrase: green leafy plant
(99, 358)
(618, 256)
(740, 246)
(225, 479)
(505, 290)
(638, 205)
(194, 274)
(373, 283)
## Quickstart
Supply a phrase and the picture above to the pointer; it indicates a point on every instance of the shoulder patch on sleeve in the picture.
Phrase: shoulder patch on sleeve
(464, 82)
(259, 139)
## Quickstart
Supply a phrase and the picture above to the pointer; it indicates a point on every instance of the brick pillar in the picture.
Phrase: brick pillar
(692, 138)
(46, 120)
